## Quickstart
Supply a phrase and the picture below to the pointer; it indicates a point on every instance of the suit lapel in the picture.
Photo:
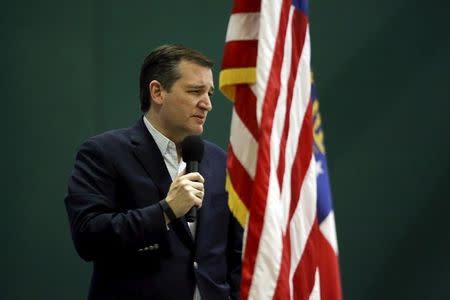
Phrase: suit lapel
(147, 153)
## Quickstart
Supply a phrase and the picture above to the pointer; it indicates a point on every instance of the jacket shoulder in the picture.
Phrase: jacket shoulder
(213, 149)
(216, 156)
(109, 140)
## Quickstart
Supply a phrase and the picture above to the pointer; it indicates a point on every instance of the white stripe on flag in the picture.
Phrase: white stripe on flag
(305, 69)
(245, 147)
(328, 229)
(303, 218)
(268, 29)
(315, 293)
(242, 27)
(268, 259)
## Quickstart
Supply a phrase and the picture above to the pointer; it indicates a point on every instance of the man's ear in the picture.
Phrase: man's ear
(156, 91)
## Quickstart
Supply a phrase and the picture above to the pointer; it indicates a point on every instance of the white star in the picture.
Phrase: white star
(319, 169)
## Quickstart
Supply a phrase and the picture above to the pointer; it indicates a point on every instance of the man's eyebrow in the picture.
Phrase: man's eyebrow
(198, 86)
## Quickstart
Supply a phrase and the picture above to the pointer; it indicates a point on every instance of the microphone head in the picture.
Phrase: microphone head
(192, 148)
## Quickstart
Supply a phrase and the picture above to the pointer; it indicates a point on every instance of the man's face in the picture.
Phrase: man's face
(184, 108)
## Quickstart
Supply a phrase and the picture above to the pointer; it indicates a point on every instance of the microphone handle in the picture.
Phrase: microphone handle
(191, 215)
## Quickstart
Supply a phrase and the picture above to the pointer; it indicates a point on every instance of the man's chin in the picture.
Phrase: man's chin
(197, 130)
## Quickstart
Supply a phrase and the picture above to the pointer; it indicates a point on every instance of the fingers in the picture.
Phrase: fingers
(191, 181)
(199, 194)
(186, 190)
(196, 185)
(196, 195)
(198, 198)
(194, 176)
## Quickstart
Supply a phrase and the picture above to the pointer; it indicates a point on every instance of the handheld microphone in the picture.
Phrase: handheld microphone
(192, 149)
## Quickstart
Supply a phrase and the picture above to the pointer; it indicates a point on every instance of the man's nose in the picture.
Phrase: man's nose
(205, 102)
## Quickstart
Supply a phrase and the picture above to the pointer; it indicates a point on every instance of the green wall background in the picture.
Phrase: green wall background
(69, 70)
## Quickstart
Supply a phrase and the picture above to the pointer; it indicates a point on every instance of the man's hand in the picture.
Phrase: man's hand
(185, 191)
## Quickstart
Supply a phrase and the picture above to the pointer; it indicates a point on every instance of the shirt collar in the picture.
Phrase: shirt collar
(163, 143)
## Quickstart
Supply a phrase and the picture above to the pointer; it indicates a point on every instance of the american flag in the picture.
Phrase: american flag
(277, 176)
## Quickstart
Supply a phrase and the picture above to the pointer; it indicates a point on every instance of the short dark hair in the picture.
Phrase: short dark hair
(162, 65)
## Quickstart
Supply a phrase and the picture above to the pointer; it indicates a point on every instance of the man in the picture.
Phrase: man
(127, 198)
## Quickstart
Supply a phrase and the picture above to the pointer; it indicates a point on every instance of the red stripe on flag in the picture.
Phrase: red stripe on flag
(245, 107)
(258, 204)
(330, 287)
(244, 6)
(299, 25)
(241, 181)
(302, 159)
(247, 50)
(299, 168)
(282, 288)
(304, 276)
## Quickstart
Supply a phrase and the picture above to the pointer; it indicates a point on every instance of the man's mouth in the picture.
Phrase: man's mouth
(200, 117)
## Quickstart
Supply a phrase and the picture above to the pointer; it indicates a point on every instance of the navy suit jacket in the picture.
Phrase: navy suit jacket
(112, 203)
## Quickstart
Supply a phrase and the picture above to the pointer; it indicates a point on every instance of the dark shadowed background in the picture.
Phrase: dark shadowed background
(70, 70)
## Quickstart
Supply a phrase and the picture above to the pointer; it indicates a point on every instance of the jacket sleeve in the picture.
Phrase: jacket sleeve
(234, 256)
(99, 227)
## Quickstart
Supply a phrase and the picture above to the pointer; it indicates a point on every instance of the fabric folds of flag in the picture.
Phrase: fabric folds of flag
(277, 177)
